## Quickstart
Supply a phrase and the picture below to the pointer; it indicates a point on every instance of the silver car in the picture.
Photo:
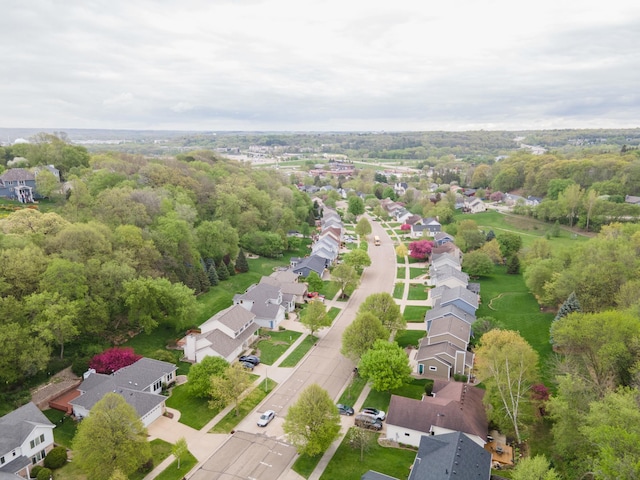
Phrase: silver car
(266, 417)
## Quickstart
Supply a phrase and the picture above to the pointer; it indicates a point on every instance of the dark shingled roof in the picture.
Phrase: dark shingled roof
(450, 456)
(16, 426)
(16, 174)
(456, 406)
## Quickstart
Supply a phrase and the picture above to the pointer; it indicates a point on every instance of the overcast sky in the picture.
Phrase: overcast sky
(323, 65)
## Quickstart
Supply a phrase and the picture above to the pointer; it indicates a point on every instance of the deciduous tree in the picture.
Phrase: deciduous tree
(312, 422)
(509, 367)
(363, 227)
(534, 468)
(114, 359)
(361, 334)
(420, 249)
(229, 386)
(477, 264)
(180, 449)
(385, 308)
(385, 365)
(346, 276)
(315, 317)
(402, 250)
(200, 374)
(111, 437)
(356, 205)
(358, 259)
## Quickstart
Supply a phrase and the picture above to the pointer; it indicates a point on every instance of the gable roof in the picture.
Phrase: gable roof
(450, 456)
(444, 272)
(449, 310)
(459, 293)
(284, 276)
(262, 294)
(144, 372)
(288, 288)
(222, 343)
(448, 247)
(456, 406)
(17, 174)
(315, 263)
(16, 426)
(373, 475)
(444, 235)
(443, 352)
(452, 325)
(234, 317)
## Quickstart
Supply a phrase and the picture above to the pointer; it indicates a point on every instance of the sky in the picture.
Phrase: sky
(321, 65)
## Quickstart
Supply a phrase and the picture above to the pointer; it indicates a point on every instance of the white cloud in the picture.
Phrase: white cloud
(325, 65)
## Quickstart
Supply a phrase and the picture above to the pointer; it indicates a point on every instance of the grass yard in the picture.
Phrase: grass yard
(507, 299)
(299, 352)
(346, 464)
(271, 348)
(416, 272)
(410, 338)
(329, 289)
(305, 465)
(172, 472)
(353, 391)
(417, 291)
(65, 427)
(146, 344)
(381, 400)
(194, 411)
(246, 405)
(398, 290)
(529, 228)
(401, 273)
(414, 313)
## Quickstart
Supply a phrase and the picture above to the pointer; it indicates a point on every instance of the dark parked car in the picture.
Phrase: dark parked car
(379, 414)
(345, 409)
(248, 365)
(364, 420)
(250, 358)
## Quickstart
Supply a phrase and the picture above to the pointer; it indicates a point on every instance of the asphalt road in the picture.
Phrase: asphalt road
(324, 365)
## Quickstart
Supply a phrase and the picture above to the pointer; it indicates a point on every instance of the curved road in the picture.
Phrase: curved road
(324, 365)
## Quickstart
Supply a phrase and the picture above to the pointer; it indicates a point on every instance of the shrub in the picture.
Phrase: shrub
(44, 474)
(35, 470)
(80, 365)
(147, 466)
(56, 458)
(458, 377)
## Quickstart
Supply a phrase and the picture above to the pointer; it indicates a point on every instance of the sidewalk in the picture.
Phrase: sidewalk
(328, 455)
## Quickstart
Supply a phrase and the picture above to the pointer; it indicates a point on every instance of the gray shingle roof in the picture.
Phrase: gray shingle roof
(461, 293)
(262, 295)
(224, 344)
(451, 456)
(17, 174)
(233, 317)
(449, 310)
(443, 351)
(452, 325)
(16, 426)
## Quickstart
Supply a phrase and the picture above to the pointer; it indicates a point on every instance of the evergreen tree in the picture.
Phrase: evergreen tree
(513, 265)
(490, 235)
(223, 273)
(212, 273)
(231, 268)
(570, 305)
(241, 262)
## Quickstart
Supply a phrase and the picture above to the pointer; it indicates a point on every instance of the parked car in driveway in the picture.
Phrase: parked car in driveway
(248, 365)
(364, 420)
(379, 414)
(250, 358)
(266, 417)
(345, 409)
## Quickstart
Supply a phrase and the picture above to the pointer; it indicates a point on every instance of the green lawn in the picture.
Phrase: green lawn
(305, 465)
(246, 405)
(417, 291)
(529, 228)
(146, 344)
(381, 400)
(353, 391)
(346, 464)
(402, 273)
(416, 272)
(398, 290)
(410, 337)
(329, 289)
(194, 411)
(299, 352)
(65, 427)
(414, 313)
(271, 348)
(172, 472)
(508, 300)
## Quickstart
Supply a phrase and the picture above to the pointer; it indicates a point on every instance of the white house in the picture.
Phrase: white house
(226, 334)
(266, 302)
(475, 206)
(26, 436)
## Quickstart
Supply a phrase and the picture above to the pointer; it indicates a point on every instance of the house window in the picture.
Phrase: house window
(407, 434)
(42, 438)
(1, 460)
(433, 369)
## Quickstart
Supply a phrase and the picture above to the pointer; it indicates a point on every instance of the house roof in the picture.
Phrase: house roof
(16, 426)
(450, 456)
(373, 475)
(222, 343)
(450, 324)
(314, 263)
(284, 276)
(449, 310)
(262, 294)
(444, 352)
(233, 317)
(456, 406)
(17, 174)
(443, 235)
(288, 288)
(444, 272)
(413, 219)
(444, 258)
(459, 293)
(446, 248)
(144, 372)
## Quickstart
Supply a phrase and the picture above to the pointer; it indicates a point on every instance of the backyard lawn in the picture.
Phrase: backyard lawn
(346, 464)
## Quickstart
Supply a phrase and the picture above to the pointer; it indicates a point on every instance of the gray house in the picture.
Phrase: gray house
(18, 184)
(304, 266)
(461, 297)
(266, 302)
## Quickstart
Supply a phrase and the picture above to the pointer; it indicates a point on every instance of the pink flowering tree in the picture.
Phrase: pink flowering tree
(420, 249)
(113, 359)
(405, 227)
(496, 196)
